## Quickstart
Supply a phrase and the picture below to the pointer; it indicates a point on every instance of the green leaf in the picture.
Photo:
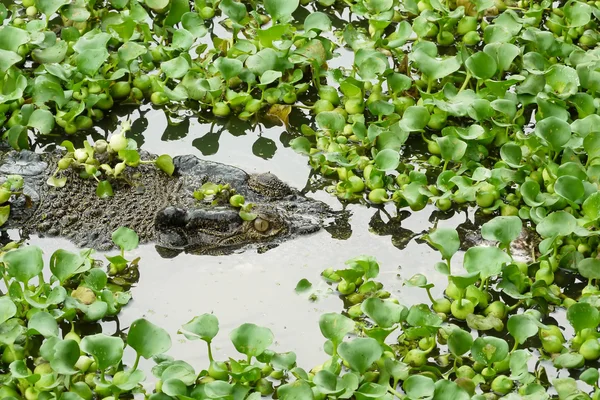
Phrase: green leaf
(4, 214)
(331, 121)
(448, 390)
(42, 323)
(90, 60)
(42, 120)
(106, 350)
(297, 390)
(125, 238)
(415, 118)
(488, 350)
(569, 187)
(251, 340)
(522, 327)
(147, 339)
(459, 342)
(387, 160)
(435, 68)
(360, 353)
(262, 61)
(452, 148)
(281, 9)
(301, 145)
(582, 316)
(419, 387)
(233, 9)
(176, 67)
(49, 7)
(302, 286)
(317, 21)
(488, 261)
(384, 313)
(205, 327)
(192, 22)
(577, 13)
(176, 11)
(559, 223)
(229, 67)
(335, 326)
(554, 131)
(591, 206)
(66, 354)
(7, 309)
(8, 59)
(589, 268)
(445, 240)
(65, 264)
(481, 65)
(103, 190)
(24, 263)
(511, 154)
(502, 229)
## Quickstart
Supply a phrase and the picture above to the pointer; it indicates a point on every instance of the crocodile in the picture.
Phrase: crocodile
(159, 207)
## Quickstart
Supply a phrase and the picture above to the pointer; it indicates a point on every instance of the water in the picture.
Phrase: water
(252, 287)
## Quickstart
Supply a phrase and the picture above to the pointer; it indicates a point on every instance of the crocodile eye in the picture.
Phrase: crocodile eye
(261, 225)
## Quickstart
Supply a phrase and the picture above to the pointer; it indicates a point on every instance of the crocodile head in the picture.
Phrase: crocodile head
(218, 230)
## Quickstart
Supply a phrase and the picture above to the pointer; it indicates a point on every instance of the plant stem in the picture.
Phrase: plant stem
(210, 355)
(135, 364)
(465, 83)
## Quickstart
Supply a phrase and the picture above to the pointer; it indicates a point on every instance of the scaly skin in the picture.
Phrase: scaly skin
(160, 208)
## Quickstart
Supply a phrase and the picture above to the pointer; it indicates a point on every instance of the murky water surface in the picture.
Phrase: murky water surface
(259, 288)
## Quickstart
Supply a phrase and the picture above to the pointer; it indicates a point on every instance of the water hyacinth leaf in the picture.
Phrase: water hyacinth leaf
(452, 148)
(175, 68)
(569, 360)
(205, 327)
(165, 164)
(103, 190)
(49, 7)
(559, 223)
(589, 268)
(147, 339)
(106, 350)
(301, 145)
(502, 229)
(381, 108)
(489, 349)
(488, 261)
(66, 354)
(42, 323)
(511, 154)
(591, 206)
(577, 13)
(569, 187)
(445, 240)
(554, 131)
(335, 326)
(317, 21)
(125, 238)
(415, 118)
(229, 67)
(64, 264)
(192, 22)
(459, 342)
(131, 50)
(582, 316)
(448, 390)
(419, 387)
(281, 9)
(481, 65)
(387, 160)
(297, 390)
(24, 263)
(8, 59)
(384, 313)
(7, 309)
(303, 285)
(522, 327)
(262, 61)
(251, 340)
(360, 353)
(233, 9)
(435, 68)
(331, 121)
